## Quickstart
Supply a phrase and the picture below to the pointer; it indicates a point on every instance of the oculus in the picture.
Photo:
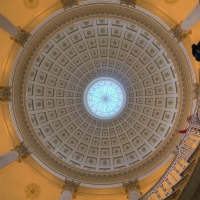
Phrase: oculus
(104, 98)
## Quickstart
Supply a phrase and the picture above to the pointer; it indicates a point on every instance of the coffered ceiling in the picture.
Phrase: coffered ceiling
(102, 48)
(60, 70)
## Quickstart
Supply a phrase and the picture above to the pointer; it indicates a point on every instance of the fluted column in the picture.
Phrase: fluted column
(8, 26)
(132, 190)
(8, 158)
(182, 30)
(66, 195)
(133, 195)
(69, 190)
(191, 19)
(16, 33)
(20, 152)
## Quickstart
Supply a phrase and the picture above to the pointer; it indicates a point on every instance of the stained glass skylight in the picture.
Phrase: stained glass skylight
(104, 98)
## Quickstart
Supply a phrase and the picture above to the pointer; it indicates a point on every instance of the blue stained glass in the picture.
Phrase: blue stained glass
(104, 98)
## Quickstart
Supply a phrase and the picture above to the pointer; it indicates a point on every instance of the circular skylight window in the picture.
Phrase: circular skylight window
(104, 98)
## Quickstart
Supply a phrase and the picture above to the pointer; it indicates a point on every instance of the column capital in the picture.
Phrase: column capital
(5, 93)
(22, 37)
(129, 2)
(71, 186)
(132, 185)
(178, 33)
(69, 3)
(23, 151)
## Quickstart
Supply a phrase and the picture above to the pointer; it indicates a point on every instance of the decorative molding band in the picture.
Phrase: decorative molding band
(5, 94)
(196, 90)
(68, 3)
(129, 2)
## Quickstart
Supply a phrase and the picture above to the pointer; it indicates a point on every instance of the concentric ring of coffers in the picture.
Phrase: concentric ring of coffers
(68, 63)
(60, 71)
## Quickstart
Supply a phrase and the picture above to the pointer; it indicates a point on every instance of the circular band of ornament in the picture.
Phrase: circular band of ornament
(31, 4)
(29, 57)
